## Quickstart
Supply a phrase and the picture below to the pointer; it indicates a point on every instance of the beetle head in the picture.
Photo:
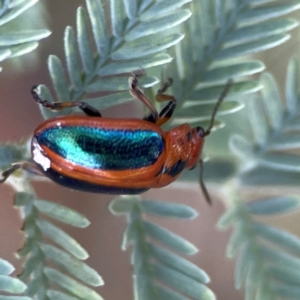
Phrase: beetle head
(197, 135)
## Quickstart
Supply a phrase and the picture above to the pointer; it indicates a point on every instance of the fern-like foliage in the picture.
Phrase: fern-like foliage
(16, 43)
(65, 255)
(134, 37)
(268, 258)
(218, 36)
(140, 33)
(9, 284)
(154, 265)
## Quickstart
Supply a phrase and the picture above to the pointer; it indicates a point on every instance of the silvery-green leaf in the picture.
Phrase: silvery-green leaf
(128, 236)
(159, 24)
(274, 205)
(110, 100)
(202, 111)
(21, 49)
(292, 85)
(36, 286)
(18, 37)
(287, 291)
(169, 238)
(56, 295)
(182, 283)
(149, 46)
(83, 40)
(273, 108)
(30, 265)
(237, 239)
(15, 298)
(127, 66)
(4, 54)
(16, 11)
(285, 142)
(23, 199)
(117, 13)
(130, 8)
(285, 273)
(260, 30)
(58, 77)
(274, 255)
(11, 285)
(262, 176)
(252, 47)
(119, 84)
(6, 267)
(257, 120)
(72, 265)
(63, 239)
(214, 92)
(242, 265)
(166, 293)
(178, 263)
(70, 285)
(98, 21)
(121, 206)
(62, 213)
(227, 219)
(282, 162)
(280, 238)
(241, 147)
(259, 14)
(72, 58)
(233, 70)
(165, 209)
(161, 7)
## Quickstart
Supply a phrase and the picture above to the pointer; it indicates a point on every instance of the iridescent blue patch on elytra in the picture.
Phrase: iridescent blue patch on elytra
(105, 149)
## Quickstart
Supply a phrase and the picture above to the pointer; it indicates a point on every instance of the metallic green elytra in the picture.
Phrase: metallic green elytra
(102, 148)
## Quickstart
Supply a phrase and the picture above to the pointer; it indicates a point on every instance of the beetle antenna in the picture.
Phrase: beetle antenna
(202, 185)
(219, 102)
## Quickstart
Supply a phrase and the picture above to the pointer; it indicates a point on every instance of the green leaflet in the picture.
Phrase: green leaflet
(72, 58)
(62, 213)
(137, 40)
(267, 257)
(15, 38)
(152, 262)
(70, 285)
(17, 43)
(11, 285)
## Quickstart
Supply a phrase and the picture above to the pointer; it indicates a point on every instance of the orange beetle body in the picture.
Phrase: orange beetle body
(120, 156)
(115, 156)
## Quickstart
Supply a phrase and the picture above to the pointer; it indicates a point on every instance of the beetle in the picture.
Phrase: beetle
(115, 156)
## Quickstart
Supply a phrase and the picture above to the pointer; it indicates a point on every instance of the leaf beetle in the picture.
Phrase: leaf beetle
(115, 156)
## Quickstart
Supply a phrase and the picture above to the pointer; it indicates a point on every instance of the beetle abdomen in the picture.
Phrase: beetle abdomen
(103, 148)
(86, 186)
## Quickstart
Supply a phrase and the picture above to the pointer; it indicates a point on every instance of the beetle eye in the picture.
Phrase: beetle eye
(201, 132)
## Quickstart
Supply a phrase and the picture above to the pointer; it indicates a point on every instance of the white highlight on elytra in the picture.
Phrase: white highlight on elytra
(39, 157)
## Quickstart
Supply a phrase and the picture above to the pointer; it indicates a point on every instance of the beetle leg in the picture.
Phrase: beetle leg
(86, 108)
(137, 93)
(166, 113)
(202, 185)
(30, 167)
(168, 110)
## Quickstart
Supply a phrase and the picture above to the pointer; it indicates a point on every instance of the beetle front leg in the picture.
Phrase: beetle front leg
(168, 110)
(86, 108)
(27, 166)
(137, 93)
